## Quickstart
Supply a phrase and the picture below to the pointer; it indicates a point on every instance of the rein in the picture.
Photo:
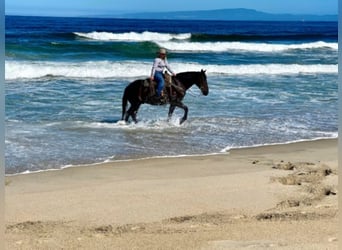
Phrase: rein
(192, 94)
(180, 87)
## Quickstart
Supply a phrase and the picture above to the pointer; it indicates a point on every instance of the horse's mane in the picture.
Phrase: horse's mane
(188, 73)
(187, 77)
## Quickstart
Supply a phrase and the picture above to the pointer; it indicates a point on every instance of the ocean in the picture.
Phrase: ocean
(269, 83)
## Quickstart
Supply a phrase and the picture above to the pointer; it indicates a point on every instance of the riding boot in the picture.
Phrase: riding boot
(155, 99)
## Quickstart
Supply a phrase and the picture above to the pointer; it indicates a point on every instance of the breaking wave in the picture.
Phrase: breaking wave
(109, 69)
(182, 42)
(133, 36)
(243, 46)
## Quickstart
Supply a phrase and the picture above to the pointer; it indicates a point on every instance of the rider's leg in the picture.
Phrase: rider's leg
(158, 76)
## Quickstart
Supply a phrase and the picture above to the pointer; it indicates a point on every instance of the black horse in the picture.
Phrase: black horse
(143, 91)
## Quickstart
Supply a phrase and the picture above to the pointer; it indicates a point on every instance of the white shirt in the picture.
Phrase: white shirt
(159, 65)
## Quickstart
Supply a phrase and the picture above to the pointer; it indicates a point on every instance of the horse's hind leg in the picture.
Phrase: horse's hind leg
(134, 116)
(127, 115)
(132, 111)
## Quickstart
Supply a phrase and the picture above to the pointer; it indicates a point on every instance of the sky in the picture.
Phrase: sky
(105, 7)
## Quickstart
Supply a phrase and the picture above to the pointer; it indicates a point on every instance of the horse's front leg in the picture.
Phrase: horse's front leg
(171, 109)
(185, 108)
(185, 113)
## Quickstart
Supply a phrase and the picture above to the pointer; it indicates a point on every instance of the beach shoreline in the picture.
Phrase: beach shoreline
(267, 196)
(224, 151)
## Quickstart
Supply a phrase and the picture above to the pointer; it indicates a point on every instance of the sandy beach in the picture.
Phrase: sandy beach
(272, 197)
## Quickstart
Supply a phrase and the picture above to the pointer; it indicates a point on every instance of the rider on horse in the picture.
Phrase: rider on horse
(140, 91)
(159, 65)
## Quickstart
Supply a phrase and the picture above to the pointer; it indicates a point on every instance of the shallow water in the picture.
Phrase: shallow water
(271, 83)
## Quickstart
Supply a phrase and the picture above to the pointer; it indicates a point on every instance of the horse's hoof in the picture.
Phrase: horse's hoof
(121, 122)
(181, 121)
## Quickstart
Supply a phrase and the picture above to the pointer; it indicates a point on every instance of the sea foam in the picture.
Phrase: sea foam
(242, 46)
(133, 36)
(135, 69)
(175, 42)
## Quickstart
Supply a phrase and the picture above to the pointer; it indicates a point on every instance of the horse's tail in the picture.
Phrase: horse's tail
(124, 104)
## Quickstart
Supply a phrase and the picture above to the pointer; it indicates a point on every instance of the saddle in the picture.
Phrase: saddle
(173, 89)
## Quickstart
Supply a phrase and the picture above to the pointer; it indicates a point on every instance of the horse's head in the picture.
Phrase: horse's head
(194, 77)
(202, 83)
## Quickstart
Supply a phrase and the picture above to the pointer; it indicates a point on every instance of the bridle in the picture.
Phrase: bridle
(202, 80)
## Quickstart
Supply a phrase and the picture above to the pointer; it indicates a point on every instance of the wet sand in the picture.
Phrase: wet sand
(277, 197)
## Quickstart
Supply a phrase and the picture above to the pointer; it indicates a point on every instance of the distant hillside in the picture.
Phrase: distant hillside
(227, 14)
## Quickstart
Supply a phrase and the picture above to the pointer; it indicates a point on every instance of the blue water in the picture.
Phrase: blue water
(270, 82)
